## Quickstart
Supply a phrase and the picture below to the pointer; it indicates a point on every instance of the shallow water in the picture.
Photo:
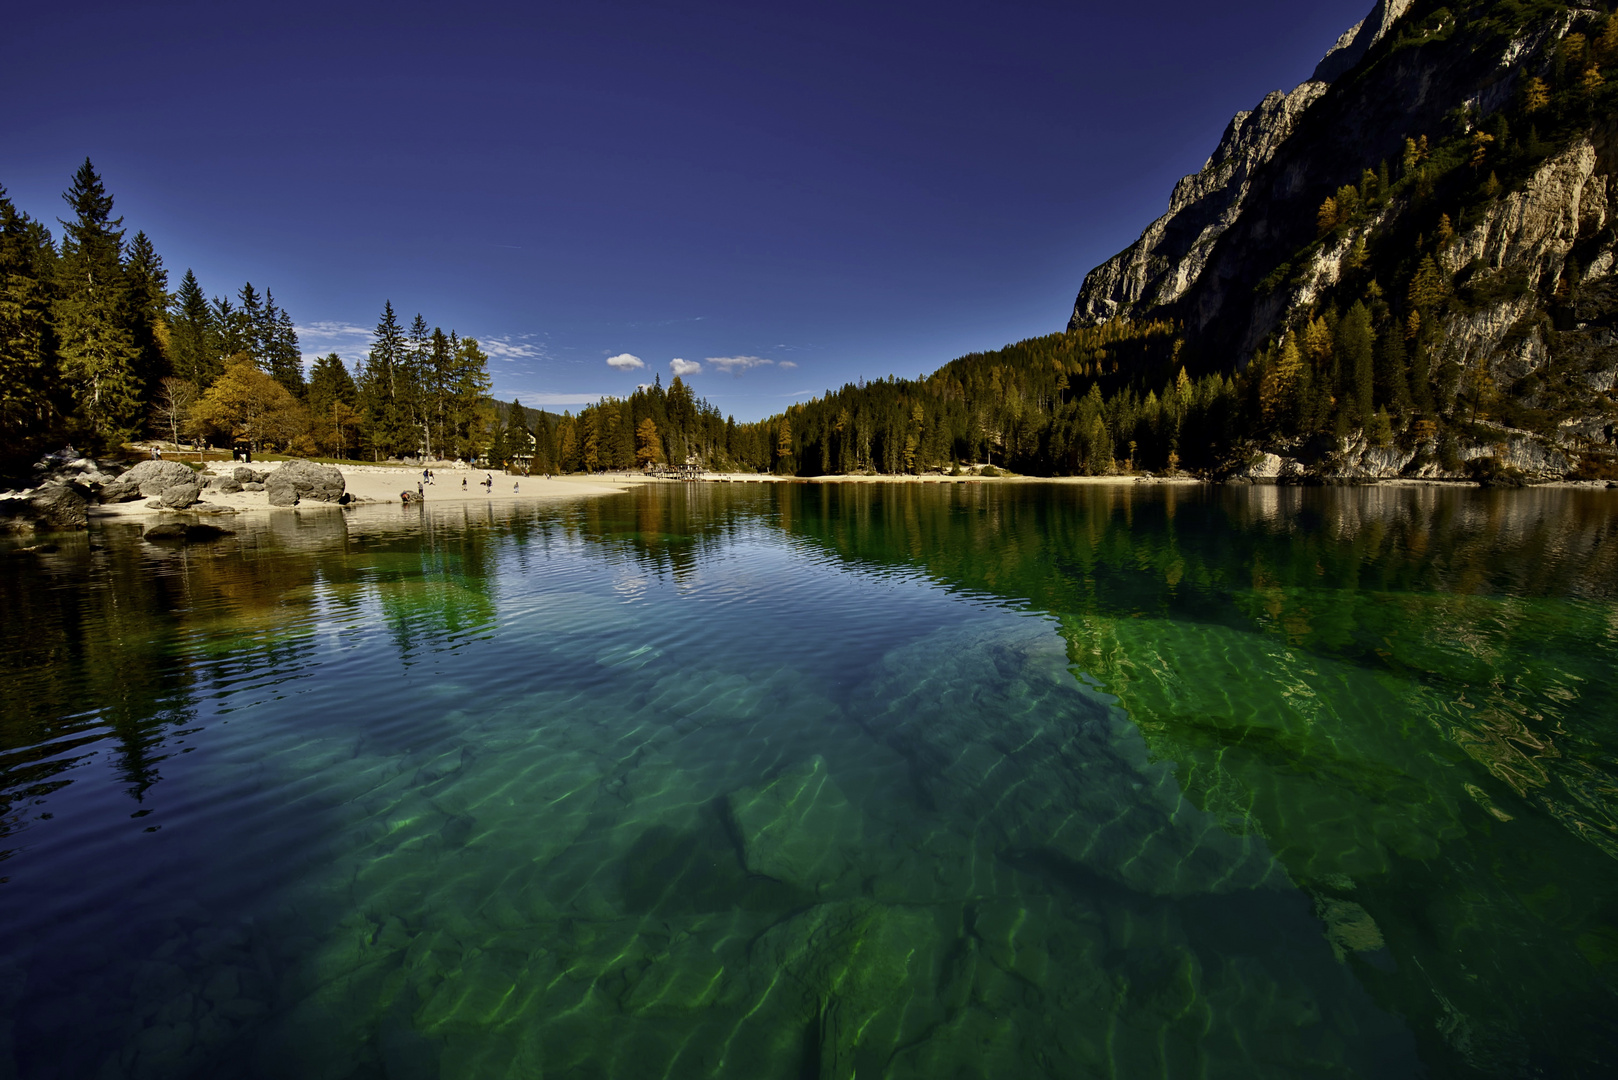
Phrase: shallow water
(820, 781)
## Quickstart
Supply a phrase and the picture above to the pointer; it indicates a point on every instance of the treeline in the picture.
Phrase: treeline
(653, 426)
(96, 351)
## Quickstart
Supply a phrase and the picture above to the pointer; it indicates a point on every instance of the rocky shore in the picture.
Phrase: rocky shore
(68, 489)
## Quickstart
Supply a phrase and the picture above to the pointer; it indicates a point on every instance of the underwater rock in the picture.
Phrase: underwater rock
(858, 974)
(1010, 745)
(181, 533)
(798, 827)
(682, 981)
(1349, 927)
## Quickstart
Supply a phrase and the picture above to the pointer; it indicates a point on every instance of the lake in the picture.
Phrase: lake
(830, 781)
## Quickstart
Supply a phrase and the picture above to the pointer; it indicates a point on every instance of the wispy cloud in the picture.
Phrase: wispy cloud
(509, 347)
(560, 399)
(787, 365)
(327, 328)
(684, 367)
(737, 364)
(625, 362)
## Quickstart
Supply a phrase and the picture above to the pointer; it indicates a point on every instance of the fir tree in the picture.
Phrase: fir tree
(27, 370)
(98, 350)
(282, 355)
(191, 334)
(148, 310)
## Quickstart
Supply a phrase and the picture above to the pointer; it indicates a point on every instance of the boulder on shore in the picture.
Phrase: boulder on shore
(148, 478)
(245, 475)
(52, 508)
(227, 485)
(180, 496)
(295, 481)
(60, 506)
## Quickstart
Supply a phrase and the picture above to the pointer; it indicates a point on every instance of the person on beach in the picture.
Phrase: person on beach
(420, 494)
(463, 483)
(514, 484)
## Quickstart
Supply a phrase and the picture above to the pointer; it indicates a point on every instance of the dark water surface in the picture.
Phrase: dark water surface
(820, 781)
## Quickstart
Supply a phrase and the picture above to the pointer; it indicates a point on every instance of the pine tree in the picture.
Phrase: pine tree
(256, 330)
(386, 427)
(1356, 342)
(97, 348)
(1278, 389)
(230, 332)
(27, 373)
(333, 404)
(470, 368)
(148, 311)
(191, 334)
(282, 355)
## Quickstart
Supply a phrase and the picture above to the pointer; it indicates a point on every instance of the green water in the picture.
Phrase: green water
(820, 781)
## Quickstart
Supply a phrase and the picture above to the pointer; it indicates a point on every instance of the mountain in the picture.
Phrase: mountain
(1171, 254)
(1446, 177)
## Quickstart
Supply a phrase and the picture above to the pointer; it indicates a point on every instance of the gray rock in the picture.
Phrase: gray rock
(253, 485)
(798, 828)
(60, 506)
(148, 478)
(1003, 739)
(181, 496)
(245, 475)
(227, 485)
(296, 481)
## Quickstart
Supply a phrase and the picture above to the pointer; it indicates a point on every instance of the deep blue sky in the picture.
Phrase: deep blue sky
(854, 189)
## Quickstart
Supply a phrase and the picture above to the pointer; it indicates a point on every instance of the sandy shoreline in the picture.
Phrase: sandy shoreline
(384, 483)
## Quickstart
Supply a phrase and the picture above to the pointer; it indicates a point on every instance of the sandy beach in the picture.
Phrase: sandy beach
(384, 483)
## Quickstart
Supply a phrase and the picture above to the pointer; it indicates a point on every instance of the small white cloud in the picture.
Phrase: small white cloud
(787, 364)
(684, 367)
(737, 364)
(625, 362)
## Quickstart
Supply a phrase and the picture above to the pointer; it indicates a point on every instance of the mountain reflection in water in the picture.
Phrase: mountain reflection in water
(820, 779)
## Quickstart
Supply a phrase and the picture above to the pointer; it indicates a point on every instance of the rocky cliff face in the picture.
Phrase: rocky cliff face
(1170, 255)
(1478, 150)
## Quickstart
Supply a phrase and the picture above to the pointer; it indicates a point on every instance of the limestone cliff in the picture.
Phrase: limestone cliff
(1454, 173)
(1170, 255)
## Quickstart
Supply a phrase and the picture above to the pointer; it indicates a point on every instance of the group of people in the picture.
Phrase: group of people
(487, 483)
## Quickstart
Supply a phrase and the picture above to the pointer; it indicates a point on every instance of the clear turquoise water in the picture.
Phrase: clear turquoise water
(820, 781)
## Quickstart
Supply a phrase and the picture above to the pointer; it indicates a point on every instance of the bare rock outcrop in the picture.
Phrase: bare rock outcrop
(1169, 258)
(148, 479)
(296, 481)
